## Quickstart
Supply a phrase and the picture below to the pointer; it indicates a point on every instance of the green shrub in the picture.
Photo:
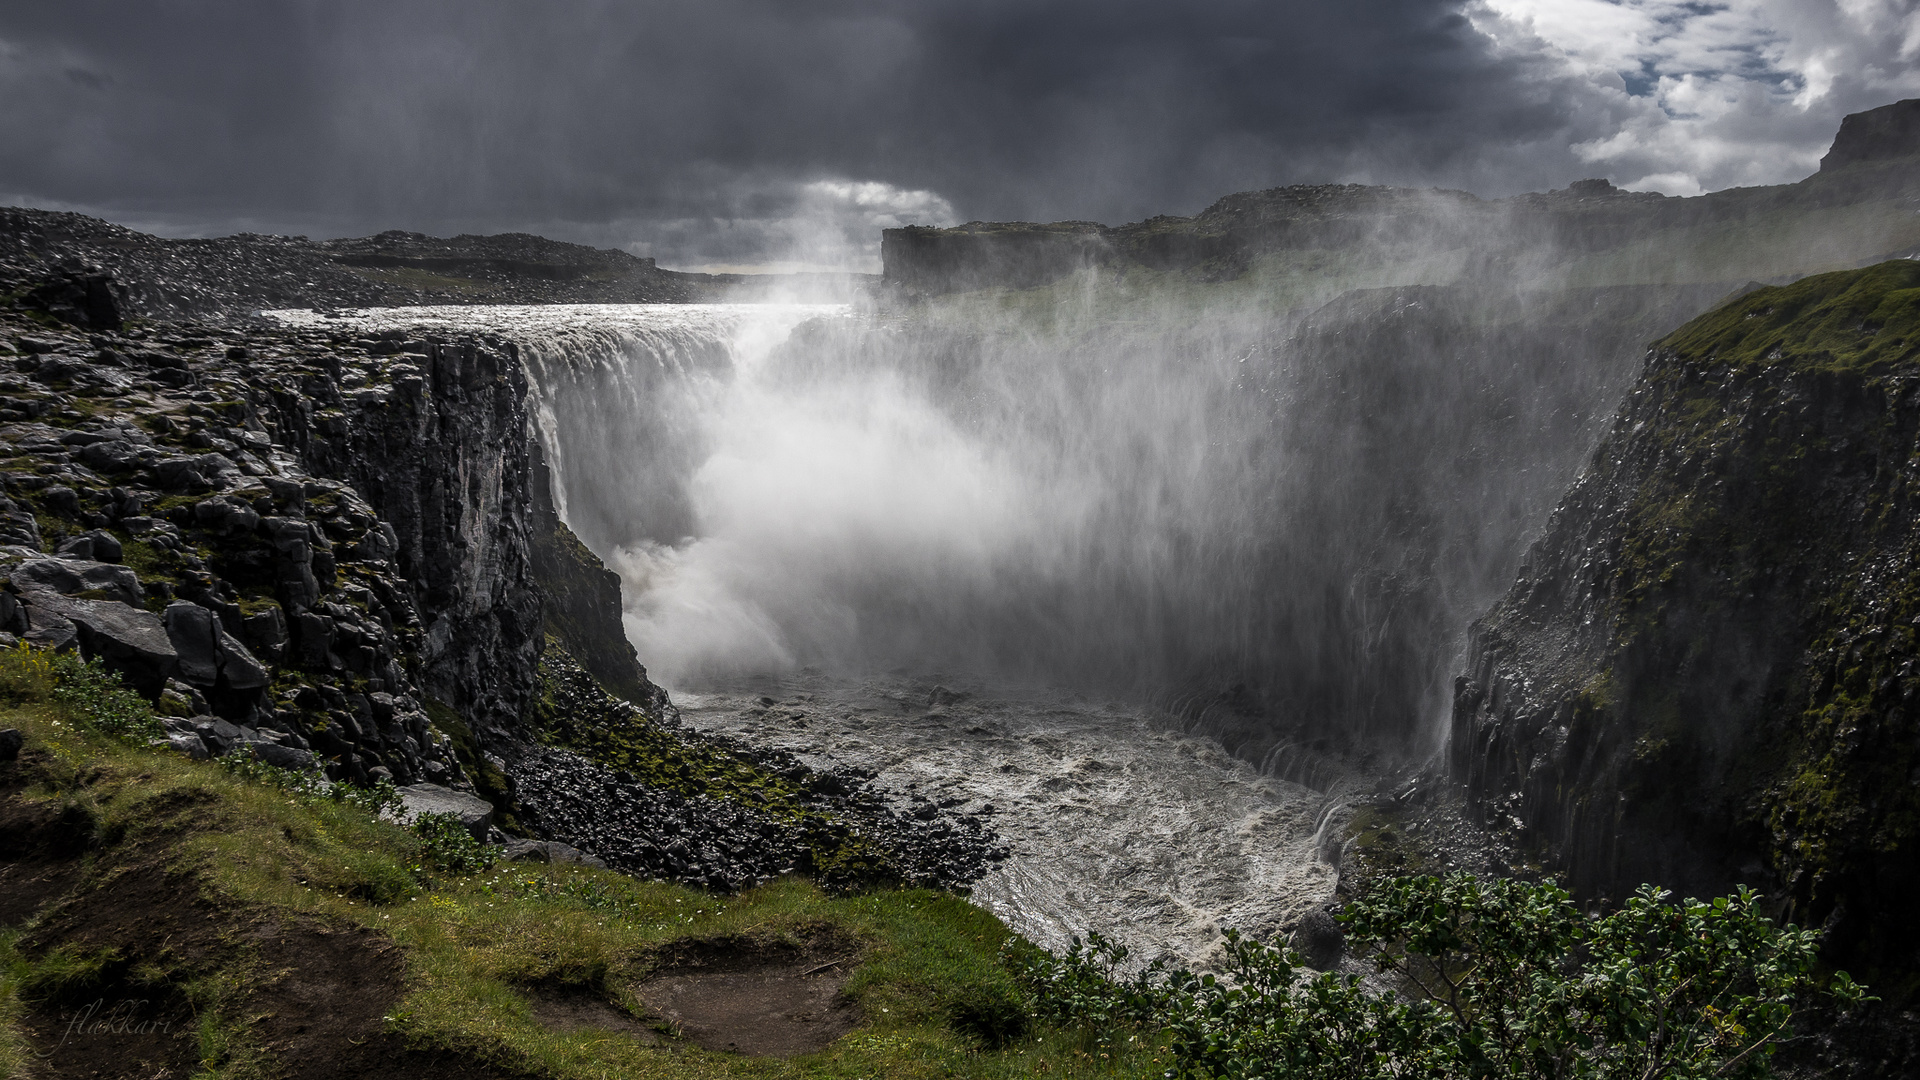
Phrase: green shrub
(313, 786)
(1507, 980)
(97, 697)
(448, 848)
(1085, 986)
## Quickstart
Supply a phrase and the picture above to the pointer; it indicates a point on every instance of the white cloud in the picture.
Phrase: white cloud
(825, 224)
(1715, 95)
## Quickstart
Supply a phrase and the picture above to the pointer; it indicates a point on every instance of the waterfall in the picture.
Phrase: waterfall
(1277, 526)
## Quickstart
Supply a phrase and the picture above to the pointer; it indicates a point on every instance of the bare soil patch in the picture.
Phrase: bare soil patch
(755, 999)
(570, 1010)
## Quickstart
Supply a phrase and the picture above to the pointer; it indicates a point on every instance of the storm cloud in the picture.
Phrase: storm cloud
(742, 132)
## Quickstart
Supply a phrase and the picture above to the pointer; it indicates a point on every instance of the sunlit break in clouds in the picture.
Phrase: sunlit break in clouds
(1708, 96)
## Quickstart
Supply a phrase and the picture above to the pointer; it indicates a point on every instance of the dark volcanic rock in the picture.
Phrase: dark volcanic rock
(475, 815)
(91, 300)
(76, 575)
(209, 655)
(582, 608)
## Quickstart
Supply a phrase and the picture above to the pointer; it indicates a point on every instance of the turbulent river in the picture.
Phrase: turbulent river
(1116, 821)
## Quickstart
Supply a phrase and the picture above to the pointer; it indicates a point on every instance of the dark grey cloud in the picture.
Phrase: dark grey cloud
(741, 130)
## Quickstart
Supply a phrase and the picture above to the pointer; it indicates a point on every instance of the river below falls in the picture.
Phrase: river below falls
(1116, 820)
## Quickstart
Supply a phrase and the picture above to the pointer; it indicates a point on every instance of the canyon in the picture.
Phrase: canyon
(1135, 578)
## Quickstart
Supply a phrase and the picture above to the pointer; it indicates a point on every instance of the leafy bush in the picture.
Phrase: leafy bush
(26, 674)
(97, 697)
(447, 846)
(1507, 980)
(93, 695)
(1085, 986)
(313, 786)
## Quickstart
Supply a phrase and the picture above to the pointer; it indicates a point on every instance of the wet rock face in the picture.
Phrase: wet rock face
(581, 606)
(1708, 670)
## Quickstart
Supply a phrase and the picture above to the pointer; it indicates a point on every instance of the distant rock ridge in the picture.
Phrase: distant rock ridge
(74, 255)
(1511, 237)
(1886, 133)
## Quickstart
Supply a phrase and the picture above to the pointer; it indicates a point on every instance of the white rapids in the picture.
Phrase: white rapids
(1116, 821)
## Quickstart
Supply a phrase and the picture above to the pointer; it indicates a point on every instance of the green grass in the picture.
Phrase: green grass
(1865, 321)
(924, 962)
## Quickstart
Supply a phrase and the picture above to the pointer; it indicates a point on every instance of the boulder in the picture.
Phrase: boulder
(1320, 939)
(314, 633)
(207, 652)
(189, 745)
(17, 526)
(265, 632)
(48, 629)
(83, 299)
(60, 498)
(475, 814)
(550, 851)
(190, 473)
(93, 545)
(125, 639)
(69, 576)
(227, 513)
(112, 456)
(282, 757)
(195, 635)
(13, 616)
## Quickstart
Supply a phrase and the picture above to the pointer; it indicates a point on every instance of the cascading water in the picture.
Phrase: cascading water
(1278, 526)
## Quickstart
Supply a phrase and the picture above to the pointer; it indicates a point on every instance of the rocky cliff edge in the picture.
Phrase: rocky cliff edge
(1708, 670)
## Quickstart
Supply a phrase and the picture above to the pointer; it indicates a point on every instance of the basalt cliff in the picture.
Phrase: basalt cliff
(333, 552)
(1707, 670)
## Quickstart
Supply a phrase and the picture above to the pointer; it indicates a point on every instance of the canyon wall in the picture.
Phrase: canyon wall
(1708, 670)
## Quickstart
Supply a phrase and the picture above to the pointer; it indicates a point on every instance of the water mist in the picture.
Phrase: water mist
(1277, 523)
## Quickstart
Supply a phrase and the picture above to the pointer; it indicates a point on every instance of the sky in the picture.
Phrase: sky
(785, 134)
